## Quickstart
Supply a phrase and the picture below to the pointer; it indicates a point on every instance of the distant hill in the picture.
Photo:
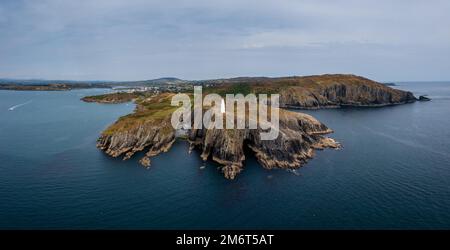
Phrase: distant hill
(159, 81)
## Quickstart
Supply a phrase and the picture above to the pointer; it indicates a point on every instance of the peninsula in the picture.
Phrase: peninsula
(149, 128)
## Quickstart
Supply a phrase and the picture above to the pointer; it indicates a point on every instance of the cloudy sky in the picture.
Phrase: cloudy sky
(384, 40)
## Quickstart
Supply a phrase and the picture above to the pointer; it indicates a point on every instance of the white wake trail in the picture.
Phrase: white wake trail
(19, 105)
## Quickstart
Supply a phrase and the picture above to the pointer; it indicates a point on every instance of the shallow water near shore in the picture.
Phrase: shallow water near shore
(393, 172)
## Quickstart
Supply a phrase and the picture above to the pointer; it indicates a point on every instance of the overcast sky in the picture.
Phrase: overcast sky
(384, 40)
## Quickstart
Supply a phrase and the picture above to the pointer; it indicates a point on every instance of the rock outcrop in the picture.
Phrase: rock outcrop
(155, 138)
(149, 127)
(299, 135)
(323, 91)
(424, 98)
(330, 91)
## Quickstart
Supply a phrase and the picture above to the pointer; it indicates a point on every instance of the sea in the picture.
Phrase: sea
(393, 172)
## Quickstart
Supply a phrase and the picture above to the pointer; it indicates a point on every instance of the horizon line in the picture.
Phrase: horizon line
(206, 79)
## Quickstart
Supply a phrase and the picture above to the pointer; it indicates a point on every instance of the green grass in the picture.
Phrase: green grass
(154, 110)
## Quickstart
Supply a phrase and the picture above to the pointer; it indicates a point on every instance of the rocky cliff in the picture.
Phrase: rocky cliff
(333, 91)
(149, 127)
(323, 91)
(155, 138)
(299, 135)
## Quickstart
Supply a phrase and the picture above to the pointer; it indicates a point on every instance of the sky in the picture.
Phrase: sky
(385, 40)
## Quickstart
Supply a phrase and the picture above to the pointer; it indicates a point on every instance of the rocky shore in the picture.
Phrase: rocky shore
(323, 91)
(299, 136)
(341, 94)
(149, 128)
(154, 138)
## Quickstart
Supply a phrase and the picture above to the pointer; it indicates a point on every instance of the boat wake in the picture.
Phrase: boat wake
(19, 105)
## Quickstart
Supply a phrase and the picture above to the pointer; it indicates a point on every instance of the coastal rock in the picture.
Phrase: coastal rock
(154, 138)
(299, 135)
(148, 128)
(331, 91)
(145, 161)
(424, 98)
(319, 91)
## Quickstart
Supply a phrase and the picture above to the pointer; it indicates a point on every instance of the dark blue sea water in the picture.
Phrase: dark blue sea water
(393, 172)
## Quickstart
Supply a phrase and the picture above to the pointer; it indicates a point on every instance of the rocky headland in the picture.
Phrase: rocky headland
(112, 98)
(322, 91)
(299, 135)
(149, 128)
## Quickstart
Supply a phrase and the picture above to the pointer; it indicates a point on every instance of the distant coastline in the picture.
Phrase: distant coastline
(48, 87)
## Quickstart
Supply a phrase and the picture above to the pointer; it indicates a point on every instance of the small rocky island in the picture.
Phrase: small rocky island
(149, 128)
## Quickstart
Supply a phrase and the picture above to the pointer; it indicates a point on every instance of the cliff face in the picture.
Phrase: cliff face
(149, 127)
(341, 94)
(155, 138)
(299, 135)
(324, 91)
(341, 90)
